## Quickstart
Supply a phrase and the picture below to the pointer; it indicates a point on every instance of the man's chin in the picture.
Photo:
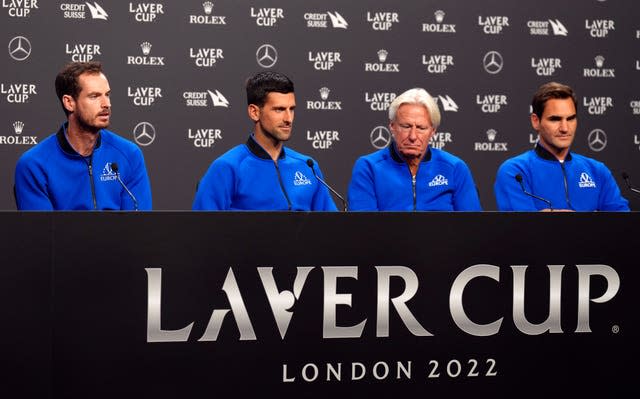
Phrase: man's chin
(411, 154)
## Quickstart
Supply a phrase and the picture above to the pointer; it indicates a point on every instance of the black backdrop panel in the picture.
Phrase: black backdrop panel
(101, 267)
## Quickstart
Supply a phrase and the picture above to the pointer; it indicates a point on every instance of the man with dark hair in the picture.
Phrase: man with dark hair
(263, 174)
(83, 166)
(550, 176)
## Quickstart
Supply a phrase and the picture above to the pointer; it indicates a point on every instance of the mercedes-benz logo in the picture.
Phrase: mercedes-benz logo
(597, 140)
(266, 55)
(144, 133)
(19, 48)
(492, 62)
(380, 137)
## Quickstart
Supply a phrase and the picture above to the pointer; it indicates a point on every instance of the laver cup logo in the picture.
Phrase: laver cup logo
(266, 17)
(382, 20)
(20, 8)
(231, 305)
(146, 12)
(17, 93)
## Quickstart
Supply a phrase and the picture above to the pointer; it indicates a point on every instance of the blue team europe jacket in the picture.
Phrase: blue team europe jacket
(382, 181)
(53, 176)
(246, 178)
(579, 183)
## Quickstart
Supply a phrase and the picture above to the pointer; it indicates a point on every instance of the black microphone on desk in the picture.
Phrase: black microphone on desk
(344, 202)
(114, 168)
(519, 180)
(625, 176)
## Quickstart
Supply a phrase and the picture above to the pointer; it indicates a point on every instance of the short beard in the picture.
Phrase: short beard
(84, 125)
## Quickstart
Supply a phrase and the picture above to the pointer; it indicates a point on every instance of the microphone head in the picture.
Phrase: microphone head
(518, 178)
(310, 163)
(114, 167)
(625, 175)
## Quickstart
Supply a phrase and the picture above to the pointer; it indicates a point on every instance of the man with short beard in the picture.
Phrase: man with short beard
(79, 167)
(263, 174)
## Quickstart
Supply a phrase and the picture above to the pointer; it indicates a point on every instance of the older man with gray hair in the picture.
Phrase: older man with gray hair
(409, 175)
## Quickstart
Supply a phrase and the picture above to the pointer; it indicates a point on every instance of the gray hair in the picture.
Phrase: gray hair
(416, 96)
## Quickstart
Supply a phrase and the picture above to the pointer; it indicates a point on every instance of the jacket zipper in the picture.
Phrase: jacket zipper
(413, 187)
(282, 185)
(566, 186)
(93, 187)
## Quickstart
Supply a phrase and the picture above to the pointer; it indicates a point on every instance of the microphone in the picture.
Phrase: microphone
(344, 202)
(114, 168)
(519, 180)
(625, 176)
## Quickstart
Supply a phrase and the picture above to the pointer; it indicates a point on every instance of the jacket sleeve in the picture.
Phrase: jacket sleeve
(466, 196)
(361, 193)
(610, 198)
(322, 200)
(30, 187)
(216, 188)
(138, 183)
(509, 194)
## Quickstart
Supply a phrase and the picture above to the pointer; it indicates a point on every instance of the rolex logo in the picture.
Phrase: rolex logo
(324, 93)
(491, 134)
(599, 61)
(439, 16)
(382, 55)
(18, 126)
(208, 7)
(146, 48)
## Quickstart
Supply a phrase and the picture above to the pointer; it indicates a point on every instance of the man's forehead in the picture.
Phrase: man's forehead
(275, 97)
(559, 106)
(88, 78)
(412, 110)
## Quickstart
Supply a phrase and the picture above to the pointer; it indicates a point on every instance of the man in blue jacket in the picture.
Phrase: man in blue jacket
(550, 176)
(83, 166)
(263, 174)
(409, 175)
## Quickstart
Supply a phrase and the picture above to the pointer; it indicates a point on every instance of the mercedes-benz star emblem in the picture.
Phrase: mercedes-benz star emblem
(144, 133)
(597, 140)
(492, 62)
(19, 48)
(380, 137)
(266, 55)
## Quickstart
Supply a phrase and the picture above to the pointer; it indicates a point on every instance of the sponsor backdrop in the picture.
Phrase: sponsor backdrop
(163, 312)
(177, 71)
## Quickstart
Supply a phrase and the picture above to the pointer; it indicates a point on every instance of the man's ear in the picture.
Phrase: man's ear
(535, 121)
(69, 103)
(254, 112)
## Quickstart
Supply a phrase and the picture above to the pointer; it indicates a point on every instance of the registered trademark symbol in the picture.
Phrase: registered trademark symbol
(615, 329)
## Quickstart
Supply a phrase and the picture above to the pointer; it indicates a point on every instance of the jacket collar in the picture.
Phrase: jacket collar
(257, 150)
(64, 143)
(393, 151)
(544, 154)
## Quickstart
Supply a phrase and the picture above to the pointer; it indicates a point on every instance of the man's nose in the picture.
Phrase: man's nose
(413, 132)
(564, 125)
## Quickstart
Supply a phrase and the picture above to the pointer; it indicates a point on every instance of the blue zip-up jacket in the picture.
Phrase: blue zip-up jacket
(53, 176)
(579, 183)
(382, 181)
(246, 178)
